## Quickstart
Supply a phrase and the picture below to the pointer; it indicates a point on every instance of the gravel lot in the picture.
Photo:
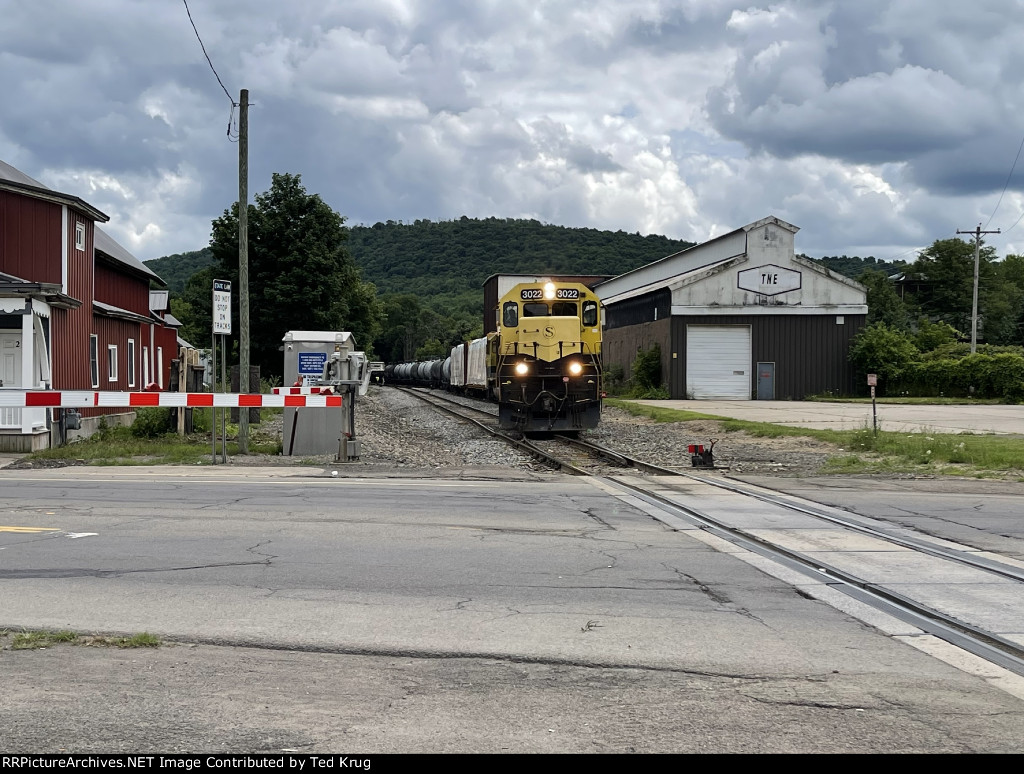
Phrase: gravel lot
(399, 432)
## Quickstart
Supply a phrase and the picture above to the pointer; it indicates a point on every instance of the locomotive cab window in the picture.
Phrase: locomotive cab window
(563, 309)
(510, 314)
(590, 313)
(535, 310)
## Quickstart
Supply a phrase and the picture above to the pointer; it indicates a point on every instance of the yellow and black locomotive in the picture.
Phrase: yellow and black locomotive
(544, 362)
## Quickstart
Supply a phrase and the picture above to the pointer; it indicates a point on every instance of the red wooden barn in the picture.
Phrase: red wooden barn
(74, 310)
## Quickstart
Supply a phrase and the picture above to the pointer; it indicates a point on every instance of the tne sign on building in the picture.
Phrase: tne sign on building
(221, 307)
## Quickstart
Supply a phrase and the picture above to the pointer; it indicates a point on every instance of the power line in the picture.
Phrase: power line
(233, 103)
(1006, 185)
(1015, 223)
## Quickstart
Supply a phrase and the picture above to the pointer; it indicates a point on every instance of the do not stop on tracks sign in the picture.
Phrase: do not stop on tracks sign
(221, 307)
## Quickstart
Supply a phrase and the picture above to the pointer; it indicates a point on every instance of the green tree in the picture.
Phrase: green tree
(301, 276)
(930, 336)
(884, 305)
(647, 368)
(879, 349)
(432, 349)
(1002, 319)
(195, 307)
(944, 274)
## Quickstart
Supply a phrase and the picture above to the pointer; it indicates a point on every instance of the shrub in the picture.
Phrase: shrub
(885, 351)
(614, 379)
(647, 368)
(151, 422)
(931, 336)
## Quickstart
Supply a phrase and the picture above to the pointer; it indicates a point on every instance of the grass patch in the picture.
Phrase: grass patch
(34, 640)
(117, 446)
(907, 400)
(864, 451)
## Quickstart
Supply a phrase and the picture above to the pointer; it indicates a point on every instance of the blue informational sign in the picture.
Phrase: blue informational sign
(312, 363)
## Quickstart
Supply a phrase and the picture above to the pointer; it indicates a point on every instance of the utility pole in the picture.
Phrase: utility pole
(243, 266)
(974, 305)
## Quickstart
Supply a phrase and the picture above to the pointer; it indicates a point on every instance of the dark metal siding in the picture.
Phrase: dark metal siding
(122, 290)
(621, 345)
(71, 328)
(810, 352)
(649, 307)
(168, 339)
(117, 332)
(30, 238)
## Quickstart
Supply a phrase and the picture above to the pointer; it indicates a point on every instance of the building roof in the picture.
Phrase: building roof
(666, 282)
(106, 244)
(50, 292)
(16, 180)
(665, 270)
(12, 179)
(108, 310)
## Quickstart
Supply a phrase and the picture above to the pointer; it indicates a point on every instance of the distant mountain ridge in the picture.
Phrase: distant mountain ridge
(452, 258)
(449, 260)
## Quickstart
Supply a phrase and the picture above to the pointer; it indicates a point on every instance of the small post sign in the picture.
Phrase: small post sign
(221, 307)
(872, 383)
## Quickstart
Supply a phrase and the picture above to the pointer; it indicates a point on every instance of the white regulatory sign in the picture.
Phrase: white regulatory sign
(221, 306)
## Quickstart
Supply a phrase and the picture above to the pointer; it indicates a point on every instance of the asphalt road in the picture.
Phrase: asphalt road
(537, 614)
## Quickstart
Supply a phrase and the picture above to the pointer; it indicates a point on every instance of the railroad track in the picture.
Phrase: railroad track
(667, 490)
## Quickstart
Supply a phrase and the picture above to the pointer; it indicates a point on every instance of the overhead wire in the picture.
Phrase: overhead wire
(231, 117)
(1006, 185)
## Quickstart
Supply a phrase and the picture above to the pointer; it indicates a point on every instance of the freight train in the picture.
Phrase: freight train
(542, 366)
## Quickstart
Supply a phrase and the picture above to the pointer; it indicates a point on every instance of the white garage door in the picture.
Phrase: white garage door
(718, 362)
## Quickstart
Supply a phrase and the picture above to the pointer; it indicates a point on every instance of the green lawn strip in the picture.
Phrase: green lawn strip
(863, 451)
(119, 447)
(907, 400)
(33, 640)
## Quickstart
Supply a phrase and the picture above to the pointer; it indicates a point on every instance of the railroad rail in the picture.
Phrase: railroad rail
(970, 637)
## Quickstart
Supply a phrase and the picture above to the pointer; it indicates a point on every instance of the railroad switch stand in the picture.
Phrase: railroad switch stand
(701, 457)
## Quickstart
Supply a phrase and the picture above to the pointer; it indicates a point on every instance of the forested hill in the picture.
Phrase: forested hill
(449, 258)
(176, 269)
(452, 258)
(854, 266)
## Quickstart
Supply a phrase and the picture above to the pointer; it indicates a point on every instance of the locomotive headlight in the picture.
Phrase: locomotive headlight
(522, 369)
(549, 290)
(575, 368)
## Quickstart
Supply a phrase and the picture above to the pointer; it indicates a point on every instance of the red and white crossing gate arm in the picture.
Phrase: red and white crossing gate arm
(94, 399)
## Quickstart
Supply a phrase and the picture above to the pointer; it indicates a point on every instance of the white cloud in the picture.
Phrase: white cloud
(882, 124)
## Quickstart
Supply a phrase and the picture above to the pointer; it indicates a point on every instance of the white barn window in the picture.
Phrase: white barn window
(112, 362)
(94, 360)
(131, 362)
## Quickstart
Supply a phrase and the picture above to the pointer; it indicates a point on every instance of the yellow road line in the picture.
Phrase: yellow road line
(29, 529)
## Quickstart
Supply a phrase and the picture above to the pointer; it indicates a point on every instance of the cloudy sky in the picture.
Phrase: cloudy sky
(876, 126)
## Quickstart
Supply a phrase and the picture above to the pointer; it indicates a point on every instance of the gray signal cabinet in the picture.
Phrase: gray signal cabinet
(315, 431)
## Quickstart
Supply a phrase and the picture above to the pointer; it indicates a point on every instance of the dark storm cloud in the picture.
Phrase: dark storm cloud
(863, 123)
(873, 82)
